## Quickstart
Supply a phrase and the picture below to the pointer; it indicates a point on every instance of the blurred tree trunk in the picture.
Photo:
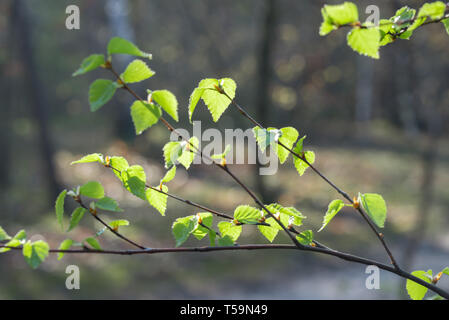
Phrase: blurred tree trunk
(36, 91)
(117, 12)
(364, 97)
(264, 74)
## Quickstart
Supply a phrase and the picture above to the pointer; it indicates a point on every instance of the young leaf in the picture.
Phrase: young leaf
(265, 137)
(301, 165)
(76, 217)
(365, 41)
(167, 101)
(118, 223)
(415, 290)
(225, 241)
(182, 228)
(222, 155)
(305, 238)
(3, 235)
(157, 199)
(341, 14)
(136, 71)
(333, 208)
(205, 84)
(123, 46)
(134, 180)
(206, 219)
(15, 241)
(247, 215)
(100, 92)
(269, 232)
(59, 207)
(65, 245)
(375, 207)
(94, 157)
(172, 151)
(119, 166)
(429, 11)
(188, 154)
(92, 62)
(445, 271)
(229, 229)
(108, 204)
(144, 115)
(287, 138)
(92, 189)
(446, 24)
(35, 253)
(169, 175)
(93, 243)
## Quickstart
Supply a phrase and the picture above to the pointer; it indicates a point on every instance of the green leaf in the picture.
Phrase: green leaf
(92, 62)
(429, 11)
(157, 199)
(92, 189)
(206, 219)
(446, 24)
(341, 14)
(415, 290)
(15, 241)
(59, 207)
(230, 230)
(222, 155)
(167, 101)
(301, 165)
(286, 215)
(136, 71)
(108, 204)
(94, 157)
(35, 253)
(172, 151)
(266, 137)
(65, 245)
(326, 26)
(269, 232)
(100, 92)
(183, 227)
(305, 238)
(76, 217)
(247, 214)
(169, 175)
(375, 207)
(93, 243)
(3, 235)
(215, 101)
(225, 241)
(118, 223)
(134, 180)
(287, 138)
(21, 235)
(144, 115)
(123, 46)
(365, 41)
(333, 208)
(445, 271)
(188, 154)
(119, 166)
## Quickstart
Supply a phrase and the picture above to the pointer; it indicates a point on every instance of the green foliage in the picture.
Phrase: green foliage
(144, 115)
(223, 154)
(305, 238)
(92, 62)
(16, 241)
(230, 231)
(338, 15)
(4, 235)
(93, 243)
(136, 71)
(76, 217)
(169, 175)
(94, 157)
(59, 207)
(157, 199)
(134, 180)
(375, 207)
(225, 241)
(180, 152)
(167, 101)
(300, 164)
(365, 41)
(208, 91)
(287, 138)
(35, 252)
(415, 290)
(123, 46)
(92, 189)
(429, 11)
(119, 165)
(446, 24)
(287, 215)
(118, 223)
(183, 227)
(333, 208)
(206, 219)
(100, 92)
(108, 204)
(266, 137)
(269, 232)
(65, 245)
(247, 214)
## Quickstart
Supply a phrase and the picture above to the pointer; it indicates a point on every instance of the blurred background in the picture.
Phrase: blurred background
(375, 126)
